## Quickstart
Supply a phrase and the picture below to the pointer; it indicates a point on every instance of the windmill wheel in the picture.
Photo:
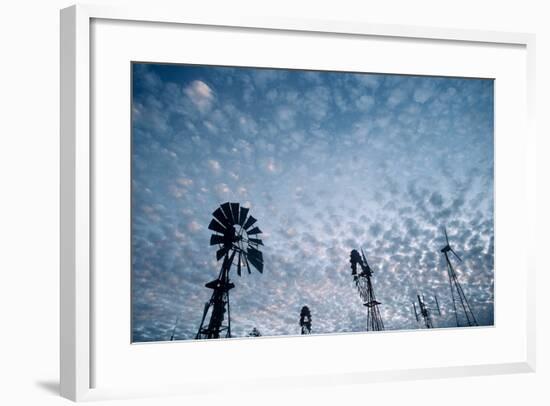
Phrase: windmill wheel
(235, 234)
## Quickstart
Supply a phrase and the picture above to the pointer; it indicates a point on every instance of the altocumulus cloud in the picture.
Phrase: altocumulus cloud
(327, 162)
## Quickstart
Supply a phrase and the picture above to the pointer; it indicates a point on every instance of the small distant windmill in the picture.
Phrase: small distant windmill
(174, 329)
(305, 320)
(366, 292)
(456, 290)
(425, 312)
(237, 241)
(255, 333)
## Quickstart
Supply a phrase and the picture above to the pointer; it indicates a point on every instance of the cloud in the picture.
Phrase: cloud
(369, 81)
(194, 226)
(286, 117)
(326, 162)
(436, 199)
(214, 166)
(364, 102)
(396, 97)
(317, 102)
(200, 94)
(222, 191)
(264, 77)
(424, 92)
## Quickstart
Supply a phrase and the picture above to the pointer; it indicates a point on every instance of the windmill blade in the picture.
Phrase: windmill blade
(446, 237)
(216, 239)
(239, 264)
(242, 215)
(256, 241)
(221, 252)
(259, 265)
(354, 257)
(255, 230)
(365, 258)
(215, 226)
(235, 212)
(415, 313)
(456, 255)
(251, 220)
(256, 258)
(220, 216)
(226, 208)
(254, 253)
(247, 265)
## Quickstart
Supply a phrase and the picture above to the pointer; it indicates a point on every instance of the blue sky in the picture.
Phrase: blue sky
(327, 162)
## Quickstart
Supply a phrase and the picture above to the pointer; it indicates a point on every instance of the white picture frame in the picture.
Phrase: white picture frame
(77, 282)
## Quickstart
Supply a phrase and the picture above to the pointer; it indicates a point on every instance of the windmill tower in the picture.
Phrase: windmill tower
(366, 292)
(174, 329)
(236, 245)
(305, 320)
(457, 293)
(424, 311)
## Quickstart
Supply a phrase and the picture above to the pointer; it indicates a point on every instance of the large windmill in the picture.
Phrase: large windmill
(237, 244)
(366, 292)
(457, 294)
(424, 311)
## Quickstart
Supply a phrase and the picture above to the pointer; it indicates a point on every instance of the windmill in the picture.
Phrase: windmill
(366, 292)
(255, 333)
(237, 244)
(174, 329)
(305, 320)
(424, 311)
(457, 293)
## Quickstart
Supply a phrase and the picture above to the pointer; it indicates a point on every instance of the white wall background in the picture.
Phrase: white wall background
(29, 203)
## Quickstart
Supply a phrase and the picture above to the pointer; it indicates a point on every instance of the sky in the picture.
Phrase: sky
(327, 162)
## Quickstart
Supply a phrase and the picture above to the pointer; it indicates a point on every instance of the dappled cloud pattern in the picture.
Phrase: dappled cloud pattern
(327, 162)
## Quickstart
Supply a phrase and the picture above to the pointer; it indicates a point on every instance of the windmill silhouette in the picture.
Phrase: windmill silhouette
(254, 333)
(236, 240)
(363, 283)
(457, 293)
(424, 311)
(305, 320)
(173, 335)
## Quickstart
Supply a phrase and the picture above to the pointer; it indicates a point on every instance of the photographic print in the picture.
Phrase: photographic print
(279, 202)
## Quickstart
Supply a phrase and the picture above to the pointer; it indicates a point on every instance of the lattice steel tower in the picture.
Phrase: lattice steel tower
(425, 312)
(366, 292)
(457, 293)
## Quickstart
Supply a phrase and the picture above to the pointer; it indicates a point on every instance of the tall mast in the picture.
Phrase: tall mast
(457, 293)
